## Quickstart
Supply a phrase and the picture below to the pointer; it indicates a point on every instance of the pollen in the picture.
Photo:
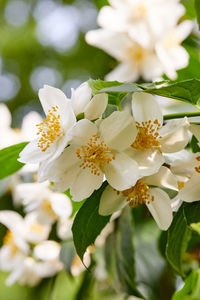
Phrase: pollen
(50, 129)
(9, 240)
(197, 168)
(138, 194)
(46, 207)
(95, 155)
(147, 136)
(136, 53)
(180, 185)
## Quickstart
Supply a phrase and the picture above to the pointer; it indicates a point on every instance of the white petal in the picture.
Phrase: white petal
(174, 135)
(96, 107)
(64, 228)
(61, 204)
(5, 117)
(47, 250)
(85, 184)
(166, 61)
(29, 128)
(118, 130)
(149, 161)
(140, 33)
(195, 129)
(184, 29)
(82, 131)
(33, 154)
(122, 173)
(50, 96)
(163, 178)
(145, 108)
(109, 18)
(81, 97)
(160, 208)
(151, 68)
(111, 201)
(124, 72)
(191, 190)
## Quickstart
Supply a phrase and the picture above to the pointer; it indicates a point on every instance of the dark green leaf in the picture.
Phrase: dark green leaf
(125, 253)
(67, 254)
(197, 7)
(192, 215)
(178, 238)
(88, 223)
(194, 145)
(8, 160)
(191, 289)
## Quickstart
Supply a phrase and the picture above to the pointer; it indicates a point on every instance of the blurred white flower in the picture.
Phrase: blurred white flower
(157, 201)
(93, 152)
(135, 60)
(144, 20)
(169, 50)
(48, 205)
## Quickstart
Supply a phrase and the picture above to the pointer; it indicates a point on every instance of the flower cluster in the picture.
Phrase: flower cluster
(145, 36)
(131, 149)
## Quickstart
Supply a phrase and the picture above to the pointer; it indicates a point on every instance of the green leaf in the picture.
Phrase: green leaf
(195, 227)
(67, 254)
(191, 289)
(179, 235)
(88, 223)
(186, 90)
(194, 145)
(197, 7)
(192, 215)
(119, 254)
(8, 160)
(76, 205)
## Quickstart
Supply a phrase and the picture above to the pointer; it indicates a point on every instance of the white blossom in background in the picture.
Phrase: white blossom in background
(169, 50)
(49, 206)
(156, 200)
(95, 151)
(144, 20)
(143, 38)
(135, 60)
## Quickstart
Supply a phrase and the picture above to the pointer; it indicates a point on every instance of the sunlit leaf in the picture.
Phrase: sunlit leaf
(8, 160)
(88, 223)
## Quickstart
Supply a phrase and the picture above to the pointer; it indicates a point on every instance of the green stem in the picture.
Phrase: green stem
(182, 115)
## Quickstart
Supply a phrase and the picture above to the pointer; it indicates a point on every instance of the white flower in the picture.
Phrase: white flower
(48, 205)
(135, 60)
(93, 152)
(145, 20)
(157, 201)
(188, 174)
(152, 138)
(83, 102)
(44, 263)
(171, 54)
(53, 137)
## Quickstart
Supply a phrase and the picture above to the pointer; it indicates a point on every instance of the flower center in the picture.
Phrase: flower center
(147, 136)
(37, 228)
(180, 185)
(95, 155)
(197, 168)
(46, 207)
(136, 53)
(9, 240)
(138, 194)
(139, 11)
(50, 129)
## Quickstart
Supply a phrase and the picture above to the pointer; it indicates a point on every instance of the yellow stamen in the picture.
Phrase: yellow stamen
(136, 54)
(50, 129)
(46, 207)
(147, 136)
(37, 228)
(180, 185)
(9, 240)
(138, 194)
(197, 168)
(95, 155)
